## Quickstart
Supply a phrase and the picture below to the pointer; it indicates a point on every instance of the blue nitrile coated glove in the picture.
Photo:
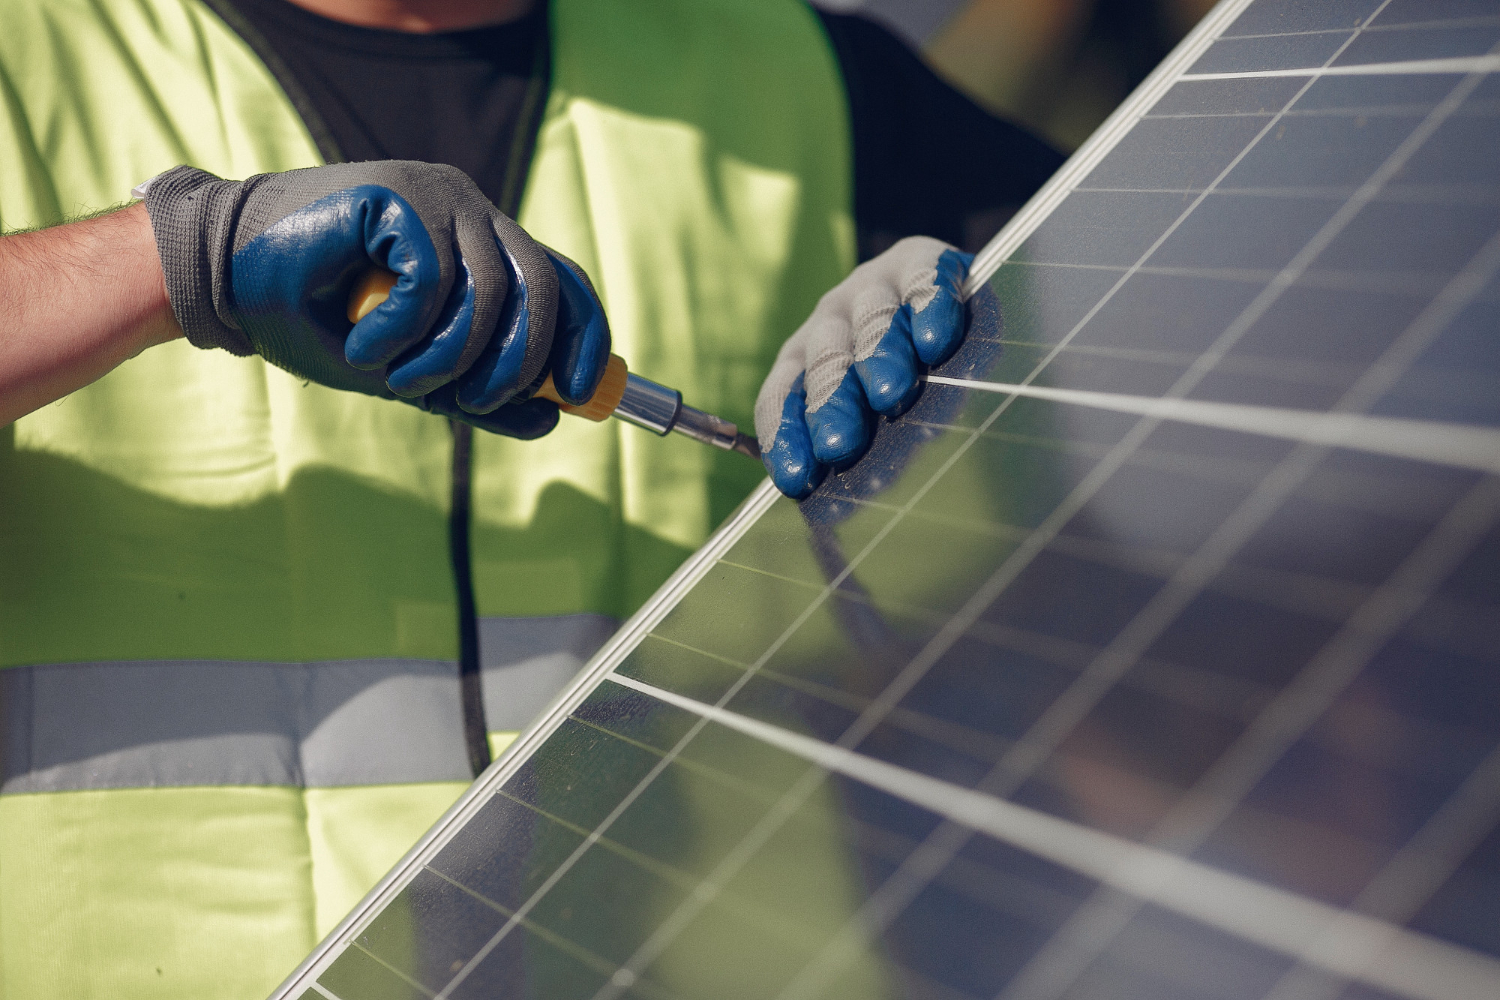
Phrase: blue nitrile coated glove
(480, 311)
(861, 353)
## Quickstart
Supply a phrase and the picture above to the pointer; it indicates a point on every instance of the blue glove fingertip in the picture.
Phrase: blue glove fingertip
(840, 428)
(938, 329)
(428, 365)
(580, 346)
(790, 460)
(394, 238)
(496, 376)
(889, 374)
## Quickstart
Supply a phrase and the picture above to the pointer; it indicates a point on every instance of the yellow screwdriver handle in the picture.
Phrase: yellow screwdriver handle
(372, 289)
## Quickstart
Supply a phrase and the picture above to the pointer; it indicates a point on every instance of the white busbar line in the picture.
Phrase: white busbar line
(1371, 951)
(1457, 64)
(1465, 446)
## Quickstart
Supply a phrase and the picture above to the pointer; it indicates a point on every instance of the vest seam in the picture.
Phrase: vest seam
(310, 906)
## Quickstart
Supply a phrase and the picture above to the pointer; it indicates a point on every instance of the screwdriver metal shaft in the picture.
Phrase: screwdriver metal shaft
(621, 393)
(661, 410)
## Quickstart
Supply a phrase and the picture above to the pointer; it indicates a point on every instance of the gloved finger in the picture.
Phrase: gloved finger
(393, 237)
(440, 356)
(937, 320)
(888, 368)
(790, 459)
(527, 420)
(522, 340)
(837, 411)
(580, 341)
(839, 428)
(462, 330)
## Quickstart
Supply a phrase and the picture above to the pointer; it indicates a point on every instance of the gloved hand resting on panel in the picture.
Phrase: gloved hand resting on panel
(861, 353)
(479, 313)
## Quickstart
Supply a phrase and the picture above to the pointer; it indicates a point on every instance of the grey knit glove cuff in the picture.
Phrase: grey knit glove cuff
(193, 215)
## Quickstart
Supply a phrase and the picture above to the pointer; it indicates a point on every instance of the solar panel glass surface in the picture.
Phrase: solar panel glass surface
(1153, 653)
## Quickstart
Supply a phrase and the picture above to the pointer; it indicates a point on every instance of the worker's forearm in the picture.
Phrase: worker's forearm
(75, 301)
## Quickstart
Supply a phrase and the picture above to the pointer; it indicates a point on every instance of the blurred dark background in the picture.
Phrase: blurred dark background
(1056, 66)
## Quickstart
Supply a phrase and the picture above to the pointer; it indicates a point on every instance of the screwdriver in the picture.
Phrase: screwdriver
(621, 392)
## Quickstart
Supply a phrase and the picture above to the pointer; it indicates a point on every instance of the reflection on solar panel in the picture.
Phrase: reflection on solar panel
(1155, 653)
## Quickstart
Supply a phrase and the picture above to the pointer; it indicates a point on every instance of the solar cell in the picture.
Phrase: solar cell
(1152, 653)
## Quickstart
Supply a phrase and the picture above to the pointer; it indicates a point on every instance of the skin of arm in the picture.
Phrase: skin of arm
(78, 299)
(75, 301)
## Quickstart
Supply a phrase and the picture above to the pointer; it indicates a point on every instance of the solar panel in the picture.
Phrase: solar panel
(1152, 654)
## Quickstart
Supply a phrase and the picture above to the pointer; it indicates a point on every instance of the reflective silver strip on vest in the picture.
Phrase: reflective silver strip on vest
(527, 661)
(163, 723)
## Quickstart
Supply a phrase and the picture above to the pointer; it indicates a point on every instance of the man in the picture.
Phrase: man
(265, 591)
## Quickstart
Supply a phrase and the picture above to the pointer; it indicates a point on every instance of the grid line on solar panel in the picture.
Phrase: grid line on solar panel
(557, 874)
(1312, 372)
(596, 962)
(1410, 195)
(1211, 468)
(408, 980)
(1459, 445)
(764, 921)
(978, 743)
(1292, 270)
(1477, 21)
(1410, 67)
(713, 884)
(1412, 283)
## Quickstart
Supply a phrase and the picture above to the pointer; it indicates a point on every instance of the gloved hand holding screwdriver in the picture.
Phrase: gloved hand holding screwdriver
(480, 312)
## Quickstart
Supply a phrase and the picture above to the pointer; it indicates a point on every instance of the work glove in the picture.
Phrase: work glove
(479, 314)
(861, 353)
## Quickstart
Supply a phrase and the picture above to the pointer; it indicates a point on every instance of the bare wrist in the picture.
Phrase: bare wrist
(77, 300)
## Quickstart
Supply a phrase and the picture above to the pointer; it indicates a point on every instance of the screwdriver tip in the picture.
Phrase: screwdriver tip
(747, 445)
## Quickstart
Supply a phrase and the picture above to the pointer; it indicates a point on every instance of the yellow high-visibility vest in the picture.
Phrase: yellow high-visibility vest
(228, 628)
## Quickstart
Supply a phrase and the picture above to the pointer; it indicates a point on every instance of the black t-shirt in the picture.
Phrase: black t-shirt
(472, 99)
(927, 160)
